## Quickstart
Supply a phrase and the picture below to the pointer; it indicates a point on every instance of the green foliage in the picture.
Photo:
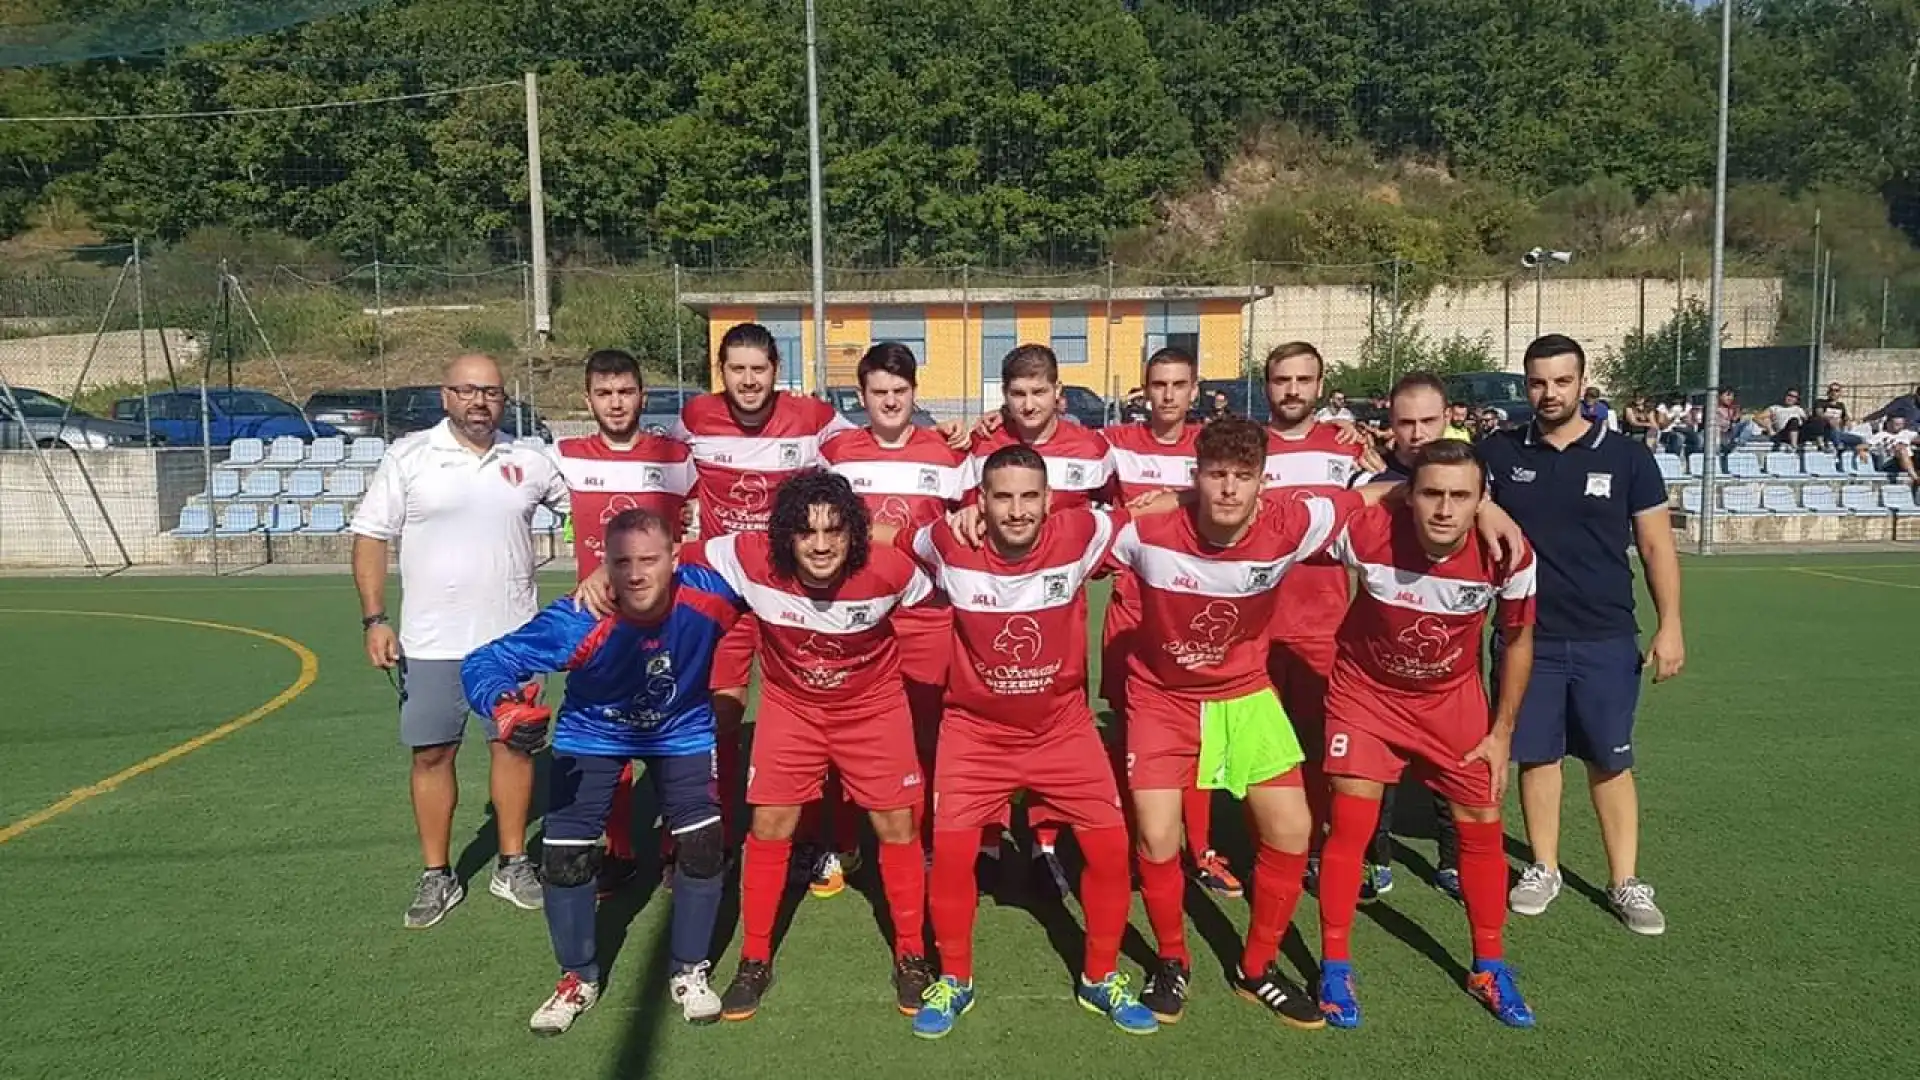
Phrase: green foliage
(1645, 362)
(1395, 348)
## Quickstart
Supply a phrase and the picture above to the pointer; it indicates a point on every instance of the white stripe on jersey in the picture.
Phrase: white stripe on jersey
(1035, 590)
(1433, 594)
(624, 476)
(761, 454)
(1311, 468)
(1178, 572)
(1063, 474)
(782, 608)
(1153, 470)
(901, 477)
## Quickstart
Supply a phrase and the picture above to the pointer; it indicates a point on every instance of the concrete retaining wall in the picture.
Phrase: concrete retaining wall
(52, 362)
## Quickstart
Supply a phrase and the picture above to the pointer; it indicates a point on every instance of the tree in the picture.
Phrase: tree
(1671, 358)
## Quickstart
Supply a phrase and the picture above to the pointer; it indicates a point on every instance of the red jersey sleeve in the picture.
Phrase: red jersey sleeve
(1309, 526)
(1515, 606)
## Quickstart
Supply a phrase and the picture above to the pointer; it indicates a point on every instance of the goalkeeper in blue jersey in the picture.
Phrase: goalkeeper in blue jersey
(636, 690)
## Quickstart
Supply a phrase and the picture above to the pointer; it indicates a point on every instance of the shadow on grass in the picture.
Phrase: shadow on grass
(484, 846)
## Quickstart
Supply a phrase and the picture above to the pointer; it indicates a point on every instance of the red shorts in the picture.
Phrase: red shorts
(733, 657)
(1375, 732)
(1299, 671)
(795, 743)
(1118, 636)
(1163, 742)
(924, 637)
(1064, 770)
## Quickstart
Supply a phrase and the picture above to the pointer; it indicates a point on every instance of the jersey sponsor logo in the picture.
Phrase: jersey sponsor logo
(1422, 652)
(1020, 638)
(1215, 631)
(1522, 476)
(593, 481)
(819, 675)
(893, 511)
(750, 491)
(1022, 643)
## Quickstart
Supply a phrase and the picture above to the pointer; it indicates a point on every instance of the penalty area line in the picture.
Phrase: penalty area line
(309, 672)
(1810, 572)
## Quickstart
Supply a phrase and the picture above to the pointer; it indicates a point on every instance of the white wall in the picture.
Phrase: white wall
(52, 362)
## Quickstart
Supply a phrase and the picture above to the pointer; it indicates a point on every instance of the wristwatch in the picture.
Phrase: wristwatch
(378, 618)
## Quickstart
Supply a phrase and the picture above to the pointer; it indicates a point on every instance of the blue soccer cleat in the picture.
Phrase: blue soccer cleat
(1447, 880)
(1111, 998)
(1337, 1002)
(1493, 985)
(945, 1003)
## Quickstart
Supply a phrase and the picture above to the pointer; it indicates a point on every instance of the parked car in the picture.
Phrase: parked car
(48, 421)
(233, 414)
(846, 401)
(417, 408)
(1087, 408)
(660, 408)
(355, 413)
(1503, 390)
(1247, 401)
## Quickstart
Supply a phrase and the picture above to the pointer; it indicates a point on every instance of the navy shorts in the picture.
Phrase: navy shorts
(1580, 701)
(580, 793)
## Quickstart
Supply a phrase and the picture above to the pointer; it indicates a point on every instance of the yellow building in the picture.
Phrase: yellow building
(960, 336)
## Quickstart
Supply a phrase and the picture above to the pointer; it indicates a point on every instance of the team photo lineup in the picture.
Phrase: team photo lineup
(1303, 614)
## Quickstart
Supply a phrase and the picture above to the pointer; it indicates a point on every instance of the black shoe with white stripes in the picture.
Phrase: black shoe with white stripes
(1292, 1005)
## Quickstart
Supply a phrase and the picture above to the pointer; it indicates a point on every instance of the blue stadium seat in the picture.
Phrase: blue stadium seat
(239, 519)
(1781, 463)
(346, 484)
(195, 520)
(326, 519)
(1820, 499)
(1743, 465)
(1741, 499)
(1822, 464)
(244, 452)
(544, 521)
(1899, 499)
(1779, 499)
(367, 450)
(327, 450)
(224, 484)
(1690, 498)
(1860, 502)
(286, 450)
(304, 484)
(1671, 467)
(284, 518)
(1694, 464)
(261, 484)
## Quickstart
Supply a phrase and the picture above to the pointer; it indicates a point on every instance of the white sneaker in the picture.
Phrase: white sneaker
(1537, 888)
(571, 997)
(1632, 900)
(690, 988)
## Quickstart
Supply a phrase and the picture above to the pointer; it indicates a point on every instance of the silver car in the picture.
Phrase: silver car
(38, 420)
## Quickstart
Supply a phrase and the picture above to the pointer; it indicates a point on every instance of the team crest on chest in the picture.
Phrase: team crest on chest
(1260, 578)
(1337, 471)
(1054, 587)
(1470, 598)
(513, 473)
(1076, 476)
(789, 455)
(859, 617)
(653, 476)
(929, 481)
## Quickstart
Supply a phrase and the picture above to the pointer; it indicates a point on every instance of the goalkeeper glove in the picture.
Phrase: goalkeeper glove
(520, 720)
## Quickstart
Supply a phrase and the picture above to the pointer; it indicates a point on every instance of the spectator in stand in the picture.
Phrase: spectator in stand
(1638, 421)
(1680, 426)
(1830, 422)
(1594, 409)
(1459, 425)
(1906, 406)
(1335, 409)
(1785, 421)
(1735, 426)
(1892, 449)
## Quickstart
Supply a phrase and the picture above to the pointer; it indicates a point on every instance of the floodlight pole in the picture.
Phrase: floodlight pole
(1710, 457)
(814, 201)
(537, 214)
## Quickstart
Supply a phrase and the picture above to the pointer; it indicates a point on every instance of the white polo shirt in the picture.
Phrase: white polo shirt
(463, 522)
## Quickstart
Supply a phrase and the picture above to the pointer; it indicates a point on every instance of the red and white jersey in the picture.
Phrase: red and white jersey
(1416, 622)
(738, 468)
(1205, 611)
(1079, 462)
(1020, 625)
(833, 647)
(1143, 464)
(653, 474)
(1314, 599)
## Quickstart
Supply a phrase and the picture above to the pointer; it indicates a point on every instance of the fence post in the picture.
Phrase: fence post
(679, 334)
(140, 321)
(968, 391)
(380, 340)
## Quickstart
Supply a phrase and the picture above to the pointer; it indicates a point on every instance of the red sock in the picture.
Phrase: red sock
(763, 879)
(1483, 885)
(952, 900)
(1045, 837)
(1104, 897)
(903, 874)
(1340, 870)
(726, 764)
(1196, 811)
(1276, 891)
(1163, 888)
(620, 817)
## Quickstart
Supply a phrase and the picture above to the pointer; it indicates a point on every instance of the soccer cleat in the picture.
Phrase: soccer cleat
(828, 879)
(515, 881)
(1287, 1002)
(1337, 1003)
(1111, 998)
(1165, 994)
(1492, 984)
(1213, 874)
(944, 1003)
(1632, 900)
(912, 976)
(1380, 876)
(615, 874)
(1538, 886)
(438, 892)
(800, 867)
(1049, 877)
(571, 997)
(1447, 880)
(751, 981)
(694, 994)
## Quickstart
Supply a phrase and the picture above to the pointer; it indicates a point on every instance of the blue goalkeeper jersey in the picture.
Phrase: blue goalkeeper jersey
(633, 690)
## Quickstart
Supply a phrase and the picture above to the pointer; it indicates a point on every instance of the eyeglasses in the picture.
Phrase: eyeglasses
(468, 391)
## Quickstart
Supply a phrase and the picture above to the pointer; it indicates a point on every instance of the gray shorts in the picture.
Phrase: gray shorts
(433, 706)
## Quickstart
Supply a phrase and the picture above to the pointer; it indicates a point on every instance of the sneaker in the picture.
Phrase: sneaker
(1447, 880)
(436, 895)
(1632, 900)
(828, 879)
(751, 981)
(571, 997)
(912, 976)
(1337, 1002)
(1165, 994)
(1492, 984)
(515, 882)
(1537, 888)
(1049, 877)
(1111, 998)
(694, 994)
(1213, 874)
(945, 1002)
(615, 874)
(1286, 1001)
(1380, 876)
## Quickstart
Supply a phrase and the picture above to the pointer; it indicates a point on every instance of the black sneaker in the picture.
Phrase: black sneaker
(1165, 994)
(1292, 1005)
(911, 977)
(615, 874)
(750, 983)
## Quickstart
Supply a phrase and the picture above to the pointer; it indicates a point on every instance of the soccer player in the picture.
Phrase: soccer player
(1406, 689)
(1156, 455)
(636, 688)
(831, 697)
(1017, 718)
(619, 468)
(1201, 711)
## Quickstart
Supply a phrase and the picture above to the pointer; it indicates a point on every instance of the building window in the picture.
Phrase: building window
(905, 325)
(1070, 333)
(1175, 322)
(784, 325)
(999, 333)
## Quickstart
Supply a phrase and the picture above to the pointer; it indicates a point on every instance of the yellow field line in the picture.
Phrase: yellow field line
(1848, 577)
(309, 671)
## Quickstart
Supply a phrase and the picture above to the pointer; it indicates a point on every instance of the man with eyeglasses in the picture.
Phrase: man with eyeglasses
(459, 497)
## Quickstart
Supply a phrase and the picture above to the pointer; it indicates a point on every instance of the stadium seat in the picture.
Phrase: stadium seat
(239, 519)
(327, 450)
(195, 520)
(1822, 464)
(1859, 501)
(284, 518)
(244, 452)
(1820, 499)
(1690, 499)
(261, 484)
(367, 451)
(326, 519)
(286, 450)
(223, 484)
(346, 484)
(1783, 464)
(544, 521)
(1742, 499)
(1899, 499)
(1779, 499)
(1743, 465)
(304, 484)
(1671, 467)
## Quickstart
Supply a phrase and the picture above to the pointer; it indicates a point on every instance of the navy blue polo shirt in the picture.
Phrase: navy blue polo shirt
(1577, 507)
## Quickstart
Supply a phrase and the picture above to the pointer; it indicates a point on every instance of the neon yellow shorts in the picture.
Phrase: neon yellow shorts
(1246, 741)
